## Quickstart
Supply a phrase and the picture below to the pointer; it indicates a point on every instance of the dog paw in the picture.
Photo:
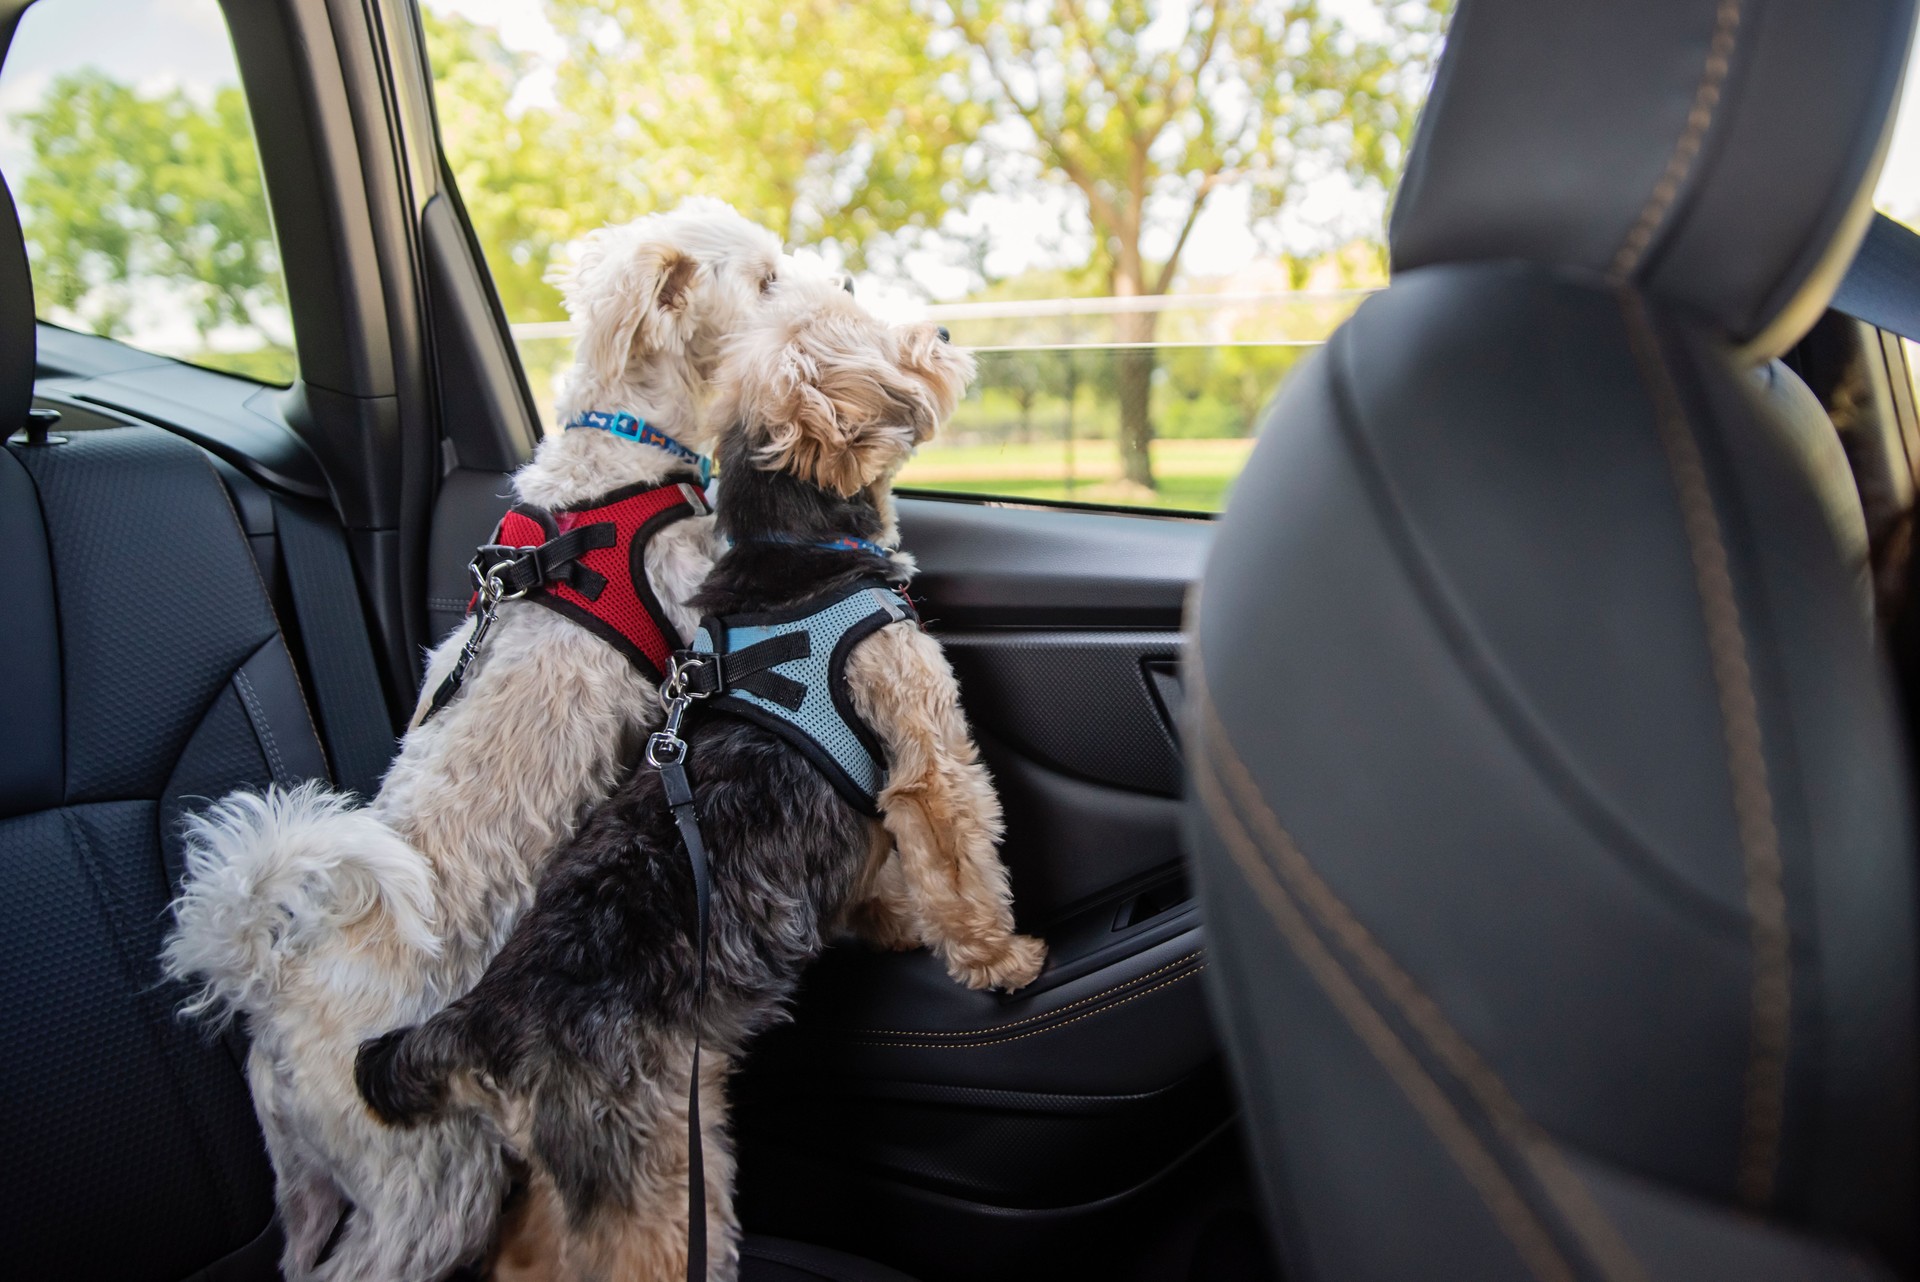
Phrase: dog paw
(396, 1096)
(1010, 968)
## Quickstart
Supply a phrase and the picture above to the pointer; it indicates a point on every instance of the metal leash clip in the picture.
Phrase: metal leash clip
(493, 594)
(665, 747)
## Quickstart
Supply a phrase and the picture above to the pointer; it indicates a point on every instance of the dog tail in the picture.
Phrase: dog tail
(267, 873)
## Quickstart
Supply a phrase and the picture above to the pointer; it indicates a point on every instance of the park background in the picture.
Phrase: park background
(1140, 214)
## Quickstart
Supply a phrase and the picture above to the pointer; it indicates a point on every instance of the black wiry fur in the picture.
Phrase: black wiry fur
(600, 974)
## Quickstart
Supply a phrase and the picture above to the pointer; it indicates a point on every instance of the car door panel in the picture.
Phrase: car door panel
(1018, 681)
(1073, 1124)
(1071, 841)
(995, 565)
(467, 509)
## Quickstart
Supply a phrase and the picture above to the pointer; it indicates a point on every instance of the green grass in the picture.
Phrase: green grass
(1191, 475)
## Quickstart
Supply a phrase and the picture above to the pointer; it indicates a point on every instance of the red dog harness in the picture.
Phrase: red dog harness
(588, 563)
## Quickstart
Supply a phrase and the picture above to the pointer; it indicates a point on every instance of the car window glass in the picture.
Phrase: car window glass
(1898, 193)
(1140, 214)
(125, 137)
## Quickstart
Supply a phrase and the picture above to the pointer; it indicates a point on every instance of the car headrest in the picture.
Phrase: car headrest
(17, 340)
(1720, 154)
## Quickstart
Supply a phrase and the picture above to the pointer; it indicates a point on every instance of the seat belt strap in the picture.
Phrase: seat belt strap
(1882, 287)
(354, 721)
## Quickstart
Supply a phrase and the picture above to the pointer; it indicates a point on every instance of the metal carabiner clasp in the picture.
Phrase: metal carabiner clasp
(493, 588)
(665, 747)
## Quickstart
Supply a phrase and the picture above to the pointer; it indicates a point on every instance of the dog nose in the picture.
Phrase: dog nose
(944, 336)
(846, 283)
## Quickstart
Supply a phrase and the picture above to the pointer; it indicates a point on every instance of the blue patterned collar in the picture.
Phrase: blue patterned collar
(631, 428)
(844, 543)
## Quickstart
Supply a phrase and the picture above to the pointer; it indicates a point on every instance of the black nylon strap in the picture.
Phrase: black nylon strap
(1882, 287)
(555, 561)
(686, 817)
(339, 657)
(751, 669)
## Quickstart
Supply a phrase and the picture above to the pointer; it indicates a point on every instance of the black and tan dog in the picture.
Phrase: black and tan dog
(578, 1041)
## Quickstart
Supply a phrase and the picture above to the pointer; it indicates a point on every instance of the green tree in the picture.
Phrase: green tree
(822, 120)
(1147, 109)
(526, 188)
(128, 190)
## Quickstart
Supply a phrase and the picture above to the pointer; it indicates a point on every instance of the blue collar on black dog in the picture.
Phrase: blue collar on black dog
(843, 543)
(632, 428)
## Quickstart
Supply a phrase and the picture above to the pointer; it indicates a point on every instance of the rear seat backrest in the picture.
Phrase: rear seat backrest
(145, 676)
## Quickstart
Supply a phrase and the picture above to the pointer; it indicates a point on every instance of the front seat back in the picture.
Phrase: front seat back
(1550, 807)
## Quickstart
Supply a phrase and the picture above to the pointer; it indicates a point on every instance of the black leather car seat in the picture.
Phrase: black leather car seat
(1551, 809)
(144, 673)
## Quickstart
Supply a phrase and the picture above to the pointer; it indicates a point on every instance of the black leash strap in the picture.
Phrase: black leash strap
(491, 592)
(687, 819)
(502, 574)
(667, 753)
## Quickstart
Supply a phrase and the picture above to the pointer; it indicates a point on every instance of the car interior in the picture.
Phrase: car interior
(1542, 744)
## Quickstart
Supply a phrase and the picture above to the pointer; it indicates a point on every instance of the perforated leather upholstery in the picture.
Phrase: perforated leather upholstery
(144, 674)
(1551, 810)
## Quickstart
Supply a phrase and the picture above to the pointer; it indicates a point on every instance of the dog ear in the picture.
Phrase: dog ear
(842, 423)
(630, 297)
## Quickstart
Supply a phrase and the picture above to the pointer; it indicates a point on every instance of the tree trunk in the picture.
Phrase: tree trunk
(1134, 371)
(1073, 395)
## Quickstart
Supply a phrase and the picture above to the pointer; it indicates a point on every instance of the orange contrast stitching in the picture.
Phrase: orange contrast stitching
(1706, 98)
(1771, 999)
(1031, 1019)
(1561, 1183)
(1483, 1173)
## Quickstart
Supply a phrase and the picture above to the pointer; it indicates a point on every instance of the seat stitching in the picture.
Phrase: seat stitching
(1054, 1028)
(1568, 1192)
(117, 913)
(1762, 1119)
(1706, 98)
(1545, 753)
(1032, 1019)
(263, 730)
(1511, 1213)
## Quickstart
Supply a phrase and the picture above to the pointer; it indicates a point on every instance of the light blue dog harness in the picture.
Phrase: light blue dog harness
(785, 671)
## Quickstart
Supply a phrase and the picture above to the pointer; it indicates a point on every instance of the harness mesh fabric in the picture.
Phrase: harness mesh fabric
(624, 611)
(819, 718)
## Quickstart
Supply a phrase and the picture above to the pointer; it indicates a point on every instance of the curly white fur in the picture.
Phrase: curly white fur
(324, 924)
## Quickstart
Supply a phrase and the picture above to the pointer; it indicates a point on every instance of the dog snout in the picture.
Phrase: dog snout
(941, 330)
(846, 282)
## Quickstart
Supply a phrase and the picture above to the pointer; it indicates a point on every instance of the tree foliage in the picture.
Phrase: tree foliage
(526, 189)
(862, 127)
(1147, 108)
(825, 121)
(130, 190)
